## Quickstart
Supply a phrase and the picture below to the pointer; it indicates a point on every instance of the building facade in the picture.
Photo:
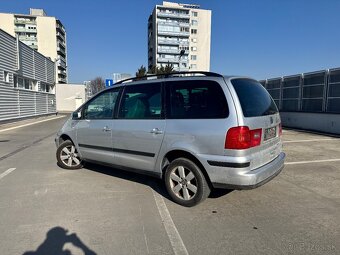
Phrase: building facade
(45, 34)
(27, 80)
(69, 96)
(308, 100)
(179, 34)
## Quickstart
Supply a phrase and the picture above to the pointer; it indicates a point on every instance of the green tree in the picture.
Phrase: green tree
(169, 68)
(161, 70)
(141, 72)
(153, 70)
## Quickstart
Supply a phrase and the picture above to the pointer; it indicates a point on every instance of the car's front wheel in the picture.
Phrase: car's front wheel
(185, 182)
(68, 156)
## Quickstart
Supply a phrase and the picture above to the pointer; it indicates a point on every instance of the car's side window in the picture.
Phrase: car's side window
(196, 99)
(141, 102)
(102, 106)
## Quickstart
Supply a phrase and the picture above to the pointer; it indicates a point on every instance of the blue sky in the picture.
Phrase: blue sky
(262, 38)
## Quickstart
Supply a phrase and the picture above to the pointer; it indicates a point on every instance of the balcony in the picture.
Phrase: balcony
(62, 80)
(173, 23)
(171, 51)
(31, 22)
(173, 15)
(34, 46)
(183, 69)
(61, 44)
(26, 30)
(172, 42)
(62, 50)
(60, 57)
(61, 35)
(61, 63)
(61, 28)
(27, 38)
(172, 33)
(63, 72)
(171, 60)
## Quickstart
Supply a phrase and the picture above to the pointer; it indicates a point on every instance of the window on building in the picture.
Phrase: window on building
(20, 83)
(141, 102)
(193, 40)
(184, 29)
(193, 48)
(193, 31)
(193, 66)
(194, 14)
(194, 22)
(27, 84)
(6, 76)
(193, 57)
(15, 81)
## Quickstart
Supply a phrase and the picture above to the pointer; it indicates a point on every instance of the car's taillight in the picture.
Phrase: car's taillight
(240, 138)
(280, 129)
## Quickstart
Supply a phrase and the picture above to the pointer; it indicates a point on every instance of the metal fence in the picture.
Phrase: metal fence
(18, 103)
(317, 92)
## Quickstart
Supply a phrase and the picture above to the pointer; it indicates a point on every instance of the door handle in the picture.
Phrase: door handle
(106, 129)
(156, 131)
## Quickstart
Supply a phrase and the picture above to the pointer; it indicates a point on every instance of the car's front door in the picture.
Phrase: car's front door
(94, 130)
(139, 127)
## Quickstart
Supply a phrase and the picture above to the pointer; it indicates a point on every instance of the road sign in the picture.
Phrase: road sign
(108, 82)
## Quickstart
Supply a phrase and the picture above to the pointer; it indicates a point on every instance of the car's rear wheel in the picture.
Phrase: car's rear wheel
(68, 156)
(186, 183)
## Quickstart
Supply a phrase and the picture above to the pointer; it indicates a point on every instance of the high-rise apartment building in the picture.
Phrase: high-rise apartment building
(179, 34)
(45, 34)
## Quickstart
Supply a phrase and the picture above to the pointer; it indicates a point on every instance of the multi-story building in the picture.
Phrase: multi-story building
(45, 34)
(179, 34)
(27, 80)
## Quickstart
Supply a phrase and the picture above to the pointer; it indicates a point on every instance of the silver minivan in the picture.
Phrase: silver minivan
(196, 131)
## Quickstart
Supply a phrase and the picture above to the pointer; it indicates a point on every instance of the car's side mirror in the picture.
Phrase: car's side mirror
(76, 115)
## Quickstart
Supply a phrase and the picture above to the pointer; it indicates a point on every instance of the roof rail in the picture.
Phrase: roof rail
(161, 76)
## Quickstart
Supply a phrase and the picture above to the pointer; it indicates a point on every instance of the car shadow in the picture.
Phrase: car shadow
(154, 183)
(54, 243)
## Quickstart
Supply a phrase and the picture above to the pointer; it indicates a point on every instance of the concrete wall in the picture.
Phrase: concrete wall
(322, 122)
(69, 97)
(7, 23)
(203, 39)
(46, 29)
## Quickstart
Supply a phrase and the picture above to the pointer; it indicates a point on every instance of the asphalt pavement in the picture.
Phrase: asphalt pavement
(100, 210)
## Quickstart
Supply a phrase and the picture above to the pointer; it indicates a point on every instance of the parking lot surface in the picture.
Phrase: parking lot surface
(99, 210)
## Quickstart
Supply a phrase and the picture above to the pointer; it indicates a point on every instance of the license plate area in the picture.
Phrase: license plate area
(269, 133)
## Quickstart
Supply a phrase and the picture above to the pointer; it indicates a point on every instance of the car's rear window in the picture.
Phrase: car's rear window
(254, 98)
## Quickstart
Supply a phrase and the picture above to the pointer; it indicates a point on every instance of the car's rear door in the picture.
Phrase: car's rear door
(139, 126)
(258, 111)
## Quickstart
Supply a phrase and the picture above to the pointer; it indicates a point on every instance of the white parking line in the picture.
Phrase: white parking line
(8, 171)
(312, 161)
(312, 140)
(30, 124)
(170, 228)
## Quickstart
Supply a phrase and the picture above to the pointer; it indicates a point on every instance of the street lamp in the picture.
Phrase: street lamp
(181, 53)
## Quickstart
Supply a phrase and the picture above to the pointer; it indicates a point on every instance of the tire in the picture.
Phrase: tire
(185, 182)
(68, 157)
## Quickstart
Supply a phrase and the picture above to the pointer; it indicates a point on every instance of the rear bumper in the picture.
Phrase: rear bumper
(243, 178)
